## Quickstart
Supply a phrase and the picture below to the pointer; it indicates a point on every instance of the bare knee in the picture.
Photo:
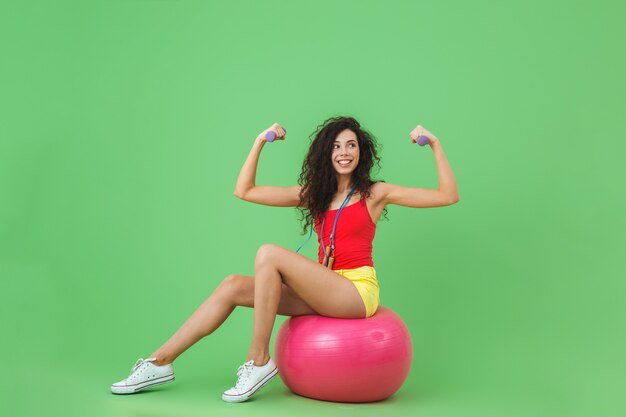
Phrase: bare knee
(265, 254)
(238, 289)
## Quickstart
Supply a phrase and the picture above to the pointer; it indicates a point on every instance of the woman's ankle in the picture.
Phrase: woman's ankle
(261, 360)
(161, 360)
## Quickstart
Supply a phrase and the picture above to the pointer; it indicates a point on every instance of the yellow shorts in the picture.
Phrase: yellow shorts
(365, 281)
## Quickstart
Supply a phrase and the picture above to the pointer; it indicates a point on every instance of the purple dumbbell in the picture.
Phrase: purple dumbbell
(422, 140)
(271, 135)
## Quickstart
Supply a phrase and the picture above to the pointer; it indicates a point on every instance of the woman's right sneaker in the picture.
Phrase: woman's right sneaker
(144, 374)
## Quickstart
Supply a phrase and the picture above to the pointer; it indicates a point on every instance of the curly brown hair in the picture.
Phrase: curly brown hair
(318, 177)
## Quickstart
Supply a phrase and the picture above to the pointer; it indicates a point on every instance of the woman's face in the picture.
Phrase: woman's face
(345, 148)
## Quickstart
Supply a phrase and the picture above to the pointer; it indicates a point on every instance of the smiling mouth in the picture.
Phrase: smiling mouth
(343, 165)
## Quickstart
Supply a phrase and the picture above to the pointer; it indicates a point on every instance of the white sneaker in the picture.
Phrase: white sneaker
(250, 379)
(144, 374)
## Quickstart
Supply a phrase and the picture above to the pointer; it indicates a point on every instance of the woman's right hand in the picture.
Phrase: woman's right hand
(277, 129)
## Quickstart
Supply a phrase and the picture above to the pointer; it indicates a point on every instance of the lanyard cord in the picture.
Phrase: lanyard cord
(310, 233)
(332, 234)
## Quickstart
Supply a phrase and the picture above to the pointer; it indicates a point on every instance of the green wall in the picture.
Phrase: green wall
(124, 127)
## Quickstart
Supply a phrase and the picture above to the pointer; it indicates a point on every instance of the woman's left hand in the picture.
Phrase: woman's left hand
(422, 131)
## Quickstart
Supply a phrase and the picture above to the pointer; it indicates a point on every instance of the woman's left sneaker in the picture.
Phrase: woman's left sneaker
(250, 379)
(144, 374)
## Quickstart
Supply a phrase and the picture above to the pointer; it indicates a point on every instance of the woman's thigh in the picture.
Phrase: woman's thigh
(324, 290)
(290, 304)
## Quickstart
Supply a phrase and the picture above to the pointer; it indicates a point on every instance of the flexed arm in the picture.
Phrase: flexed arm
(447, 183)
(246, 188)
(447, 192)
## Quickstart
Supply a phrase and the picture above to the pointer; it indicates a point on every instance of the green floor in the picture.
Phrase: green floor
(56, 392)
(49, 391)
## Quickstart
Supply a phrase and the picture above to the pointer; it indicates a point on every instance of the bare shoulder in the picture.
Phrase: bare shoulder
(377, 192)
(376, 201)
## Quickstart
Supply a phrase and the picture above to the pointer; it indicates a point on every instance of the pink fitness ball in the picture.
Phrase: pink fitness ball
(344, 360)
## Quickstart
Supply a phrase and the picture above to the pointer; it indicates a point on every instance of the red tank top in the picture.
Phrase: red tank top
(354, 235)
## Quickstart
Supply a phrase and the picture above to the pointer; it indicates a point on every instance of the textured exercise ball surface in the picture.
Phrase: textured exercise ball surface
(344, 360)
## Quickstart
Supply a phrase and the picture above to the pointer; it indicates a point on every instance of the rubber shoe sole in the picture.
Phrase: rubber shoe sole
(245, 396)
(131, 389)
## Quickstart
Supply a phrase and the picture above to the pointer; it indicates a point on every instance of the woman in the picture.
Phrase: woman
(335, 179)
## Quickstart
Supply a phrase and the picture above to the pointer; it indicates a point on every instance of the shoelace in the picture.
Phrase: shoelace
(243, 373)
(139, 362)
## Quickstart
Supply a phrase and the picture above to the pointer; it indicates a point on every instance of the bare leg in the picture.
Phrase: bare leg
(204, 321)
(267, 290)
(323, 290)
(235, 290)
